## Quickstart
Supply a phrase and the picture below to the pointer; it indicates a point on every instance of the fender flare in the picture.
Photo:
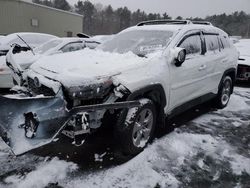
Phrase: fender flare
(151, 88)
(156, 93)
(230, 72)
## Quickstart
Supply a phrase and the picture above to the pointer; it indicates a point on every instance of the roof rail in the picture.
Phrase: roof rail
(172, 22)
(158, 22)
(202, 22)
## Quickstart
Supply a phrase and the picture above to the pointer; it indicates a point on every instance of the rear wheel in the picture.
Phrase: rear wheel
(136, 130)
(224, 93)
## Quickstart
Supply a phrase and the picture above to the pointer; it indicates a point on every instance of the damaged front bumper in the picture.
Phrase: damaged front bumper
(30, 122)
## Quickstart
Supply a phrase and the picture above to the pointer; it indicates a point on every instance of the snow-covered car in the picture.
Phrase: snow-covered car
(102, 38)
(134, 81)
(53, 46)
(32, 39)
(243, 73)
(63, 45)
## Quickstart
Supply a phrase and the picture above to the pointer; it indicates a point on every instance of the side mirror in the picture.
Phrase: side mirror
(16, 48)
(179, 56)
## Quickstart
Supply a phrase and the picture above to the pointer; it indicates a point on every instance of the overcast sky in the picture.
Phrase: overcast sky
(184, 8)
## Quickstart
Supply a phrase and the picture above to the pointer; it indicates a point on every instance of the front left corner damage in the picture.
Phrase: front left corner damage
(27, 123)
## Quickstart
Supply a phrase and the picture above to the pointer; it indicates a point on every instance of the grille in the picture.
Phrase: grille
(42, 90)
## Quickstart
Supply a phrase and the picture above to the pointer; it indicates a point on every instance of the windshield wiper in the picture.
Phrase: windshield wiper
(27, 45)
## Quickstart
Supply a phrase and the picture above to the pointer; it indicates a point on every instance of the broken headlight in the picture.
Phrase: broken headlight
(86, 92)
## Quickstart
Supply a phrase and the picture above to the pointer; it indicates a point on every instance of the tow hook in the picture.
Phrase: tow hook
(31, 124)
(81, 128)
(78, 128)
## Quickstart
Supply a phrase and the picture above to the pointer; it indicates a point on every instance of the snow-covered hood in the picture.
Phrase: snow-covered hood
(77, 68)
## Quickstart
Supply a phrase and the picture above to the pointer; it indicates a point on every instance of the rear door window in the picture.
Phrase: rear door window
(212, 43)
(225, 41)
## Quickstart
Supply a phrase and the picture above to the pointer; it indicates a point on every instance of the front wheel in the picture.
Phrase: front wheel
(224, 93)
(136, 130)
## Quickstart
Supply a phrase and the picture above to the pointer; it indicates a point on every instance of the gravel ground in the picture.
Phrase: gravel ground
(204, 147)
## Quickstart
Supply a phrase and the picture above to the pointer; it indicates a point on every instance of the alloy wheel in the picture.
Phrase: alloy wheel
(142, 128)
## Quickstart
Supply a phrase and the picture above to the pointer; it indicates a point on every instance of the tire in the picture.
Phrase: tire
(224, 93)
(132, 137)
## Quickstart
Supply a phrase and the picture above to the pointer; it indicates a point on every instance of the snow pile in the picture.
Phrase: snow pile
(102, 38)
(183, 145)
(47, 172)
(239, 163)
(236, 104)
(126, 175)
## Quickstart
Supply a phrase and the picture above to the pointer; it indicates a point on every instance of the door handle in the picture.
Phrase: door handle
(202, 67)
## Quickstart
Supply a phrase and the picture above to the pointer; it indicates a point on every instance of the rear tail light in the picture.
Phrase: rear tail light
(243, 72)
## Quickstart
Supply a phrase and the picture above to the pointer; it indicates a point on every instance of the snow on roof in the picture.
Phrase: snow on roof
(176, 27)
(72, 39)
(163, 27)
(102, 38)
(10, 37)
(207, 28)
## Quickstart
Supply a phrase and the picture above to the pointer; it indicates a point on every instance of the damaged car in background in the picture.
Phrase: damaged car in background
(26, 58)
(27, 42)
(22, 38)
(144, 74)
(243, 73)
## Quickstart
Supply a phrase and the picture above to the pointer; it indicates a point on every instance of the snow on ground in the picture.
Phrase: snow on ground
(50, 172)
(212, 150)
(152, 167)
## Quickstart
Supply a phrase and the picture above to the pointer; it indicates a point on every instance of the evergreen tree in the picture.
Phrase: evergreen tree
(106, 20)
(61, 4)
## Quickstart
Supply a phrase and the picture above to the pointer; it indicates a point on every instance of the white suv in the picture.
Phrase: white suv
(144, 74)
